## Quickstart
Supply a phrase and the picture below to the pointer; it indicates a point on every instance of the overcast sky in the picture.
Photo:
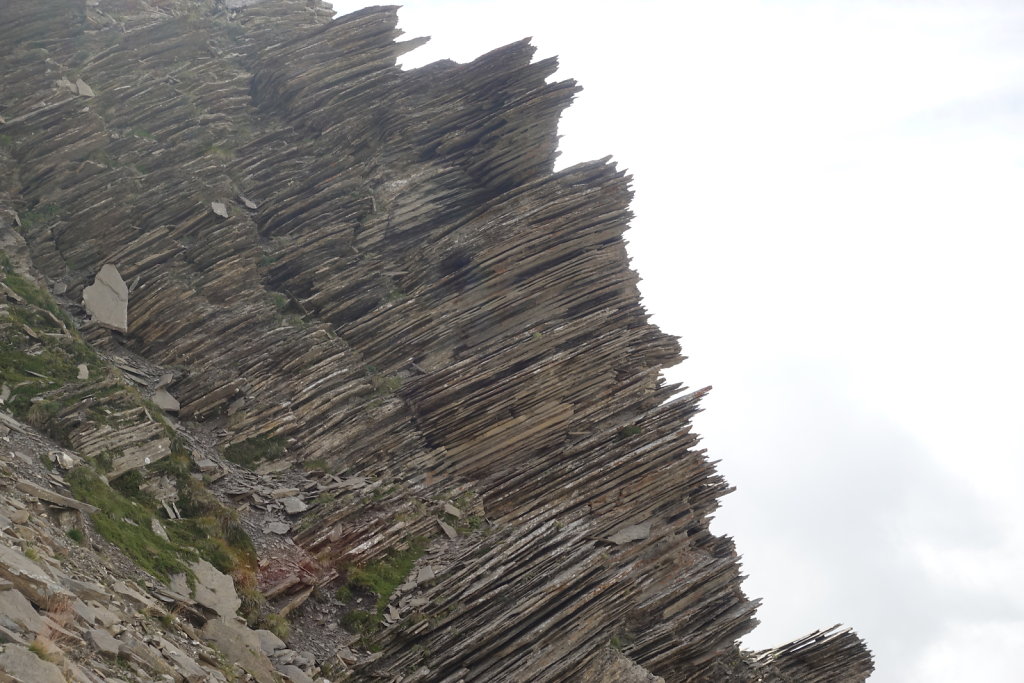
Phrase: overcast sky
(830, 202)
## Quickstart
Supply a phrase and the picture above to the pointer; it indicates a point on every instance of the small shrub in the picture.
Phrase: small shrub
(251, 451)
(381, 578)
(276, 624)
(631, 430)
(76, 535)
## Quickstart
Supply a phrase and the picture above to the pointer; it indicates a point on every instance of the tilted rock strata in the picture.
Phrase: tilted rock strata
(381, 267)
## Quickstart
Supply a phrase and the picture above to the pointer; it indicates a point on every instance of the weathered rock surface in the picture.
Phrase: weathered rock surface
(20, 665)
(215, 590)
(106, 299)
(369, 286)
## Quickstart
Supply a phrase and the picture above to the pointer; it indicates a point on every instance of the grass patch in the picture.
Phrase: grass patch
(251, 451)
(76, 535)
(631, 430)
(381, 578)
(127, 524)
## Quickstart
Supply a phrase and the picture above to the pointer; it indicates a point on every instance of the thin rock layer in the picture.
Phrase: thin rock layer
(381, 268)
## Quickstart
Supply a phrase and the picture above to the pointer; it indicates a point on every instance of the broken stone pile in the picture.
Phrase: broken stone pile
(380, 325)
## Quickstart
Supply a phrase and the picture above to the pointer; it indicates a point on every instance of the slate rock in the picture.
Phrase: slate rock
(165, 401)
(106, 299)
(16, 609)
(215, 590)
(269, 642)
(103, 643)
(21, 665)
(241, 645)
(634, 532)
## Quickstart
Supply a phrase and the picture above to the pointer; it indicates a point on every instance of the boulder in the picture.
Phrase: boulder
(241, 645)
(20, 665)
(166, 402)
(634, 532)
(106, 299)
(215, 590)
(103, 643)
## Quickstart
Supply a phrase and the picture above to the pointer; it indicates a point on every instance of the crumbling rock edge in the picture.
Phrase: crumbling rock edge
(369, 287)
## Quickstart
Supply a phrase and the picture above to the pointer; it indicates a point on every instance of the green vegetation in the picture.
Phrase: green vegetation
(251, 451)
(381, 578)
(32, 554)
(631, 430)
(38, 216)
(276, 624)
(39, 353)
(127, 524)
(76, 535)
(210, 530)
(359, 621)
(383, 385)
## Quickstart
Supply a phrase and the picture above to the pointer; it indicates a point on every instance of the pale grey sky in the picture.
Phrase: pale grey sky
(829, 212)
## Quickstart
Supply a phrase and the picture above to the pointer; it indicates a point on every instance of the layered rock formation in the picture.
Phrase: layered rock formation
(369, 285)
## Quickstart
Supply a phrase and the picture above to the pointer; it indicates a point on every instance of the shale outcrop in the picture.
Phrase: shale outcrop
(289, 335)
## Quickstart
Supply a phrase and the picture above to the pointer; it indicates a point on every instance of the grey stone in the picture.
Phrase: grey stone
(634, 532)
(284, 493)
(158, 529)
(103, 643)
(215, 590)
(249, 204)
(28, 577)
(83, 371)
(269, 642)
(53, 497)
(130, 646)
(106, 299)
(294, 674)
(184, 666)
(279, 528)
(22, 666)
(16, 608)
(219, 208)
(139, 456)
(86, 590)
(84, 89)
(447, 529)
(242, 646)
(166, 402)
(425, 574)
(293, 505)
(179, 584)
(5, 393)
(453, 511)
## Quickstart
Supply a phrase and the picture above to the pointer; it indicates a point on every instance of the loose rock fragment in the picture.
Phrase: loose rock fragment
(106, 299)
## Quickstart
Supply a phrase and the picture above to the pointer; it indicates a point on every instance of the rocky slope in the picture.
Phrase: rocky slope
(337, 330)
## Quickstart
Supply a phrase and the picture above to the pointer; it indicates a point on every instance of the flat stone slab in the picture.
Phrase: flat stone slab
(21, 665)
(269, 642)
(15, 608)
(49, 496)
(634, 532)
(103, 643)
(106, 299)
(215, 590)
(166, 402)
(241, 645)
(293, 505)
